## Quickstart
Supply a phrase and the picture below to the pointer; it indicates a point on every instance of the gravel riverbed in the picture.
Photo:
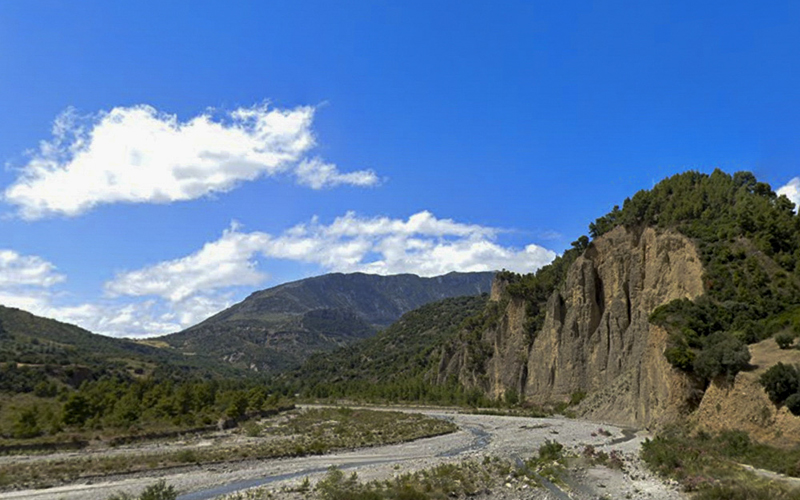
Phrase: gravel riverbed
(479, 435)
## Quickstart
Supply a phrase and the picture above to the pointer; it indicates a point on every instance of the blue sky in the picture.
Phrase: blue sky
(165, 159)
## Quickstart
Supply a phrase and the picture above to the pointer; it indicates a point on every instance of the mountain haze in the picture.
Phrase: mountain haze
(277, 328)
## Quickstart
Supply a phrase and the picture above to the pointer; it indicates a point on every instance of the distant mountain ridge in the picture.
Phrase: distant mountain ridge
(277, 328)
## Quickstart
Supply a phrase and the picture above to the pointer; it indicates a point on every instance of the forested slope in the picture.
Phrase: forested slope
(396, 364)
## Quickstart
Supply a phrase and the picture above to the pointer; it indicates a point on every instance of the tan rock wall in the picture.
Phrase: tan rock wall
(596, 336)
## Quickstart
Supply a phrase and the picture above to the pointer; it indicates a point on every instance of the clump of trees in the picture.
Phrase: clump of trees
(118, 403)
(399, 363)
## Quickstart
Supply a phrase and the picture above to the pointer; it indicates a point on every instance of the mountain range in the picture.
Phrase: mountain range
(275, 329)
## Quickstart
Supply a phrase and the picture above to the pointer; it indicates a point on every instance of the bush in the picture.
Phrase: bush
(334, 486)
(678, 354)
(512, 397)
(784, 340)
(724, 355)
(550, 450)
(76, 410)
(159, 491)
(793, 403)
(780, 382)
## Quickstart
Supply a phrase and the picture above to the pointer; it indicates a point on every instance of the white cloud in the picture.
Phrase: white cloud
(317, 174)
(791, 190)
(26, 282)
(140, 155)
(422, 245)
(171, 295)
(25, 270)
(222, 263)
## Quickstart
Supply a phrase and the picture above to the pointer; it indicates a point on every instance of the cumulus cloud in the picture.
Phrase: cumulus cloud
(171, 295)
(140, 155)
(222, 263)
(317, 174)
(26, 270)
(791, 190)
(27, 282)
(422, 244)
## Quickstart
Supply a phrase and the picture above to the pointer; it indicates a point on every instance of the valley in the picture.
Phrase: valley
(479, 439)
(668, 338)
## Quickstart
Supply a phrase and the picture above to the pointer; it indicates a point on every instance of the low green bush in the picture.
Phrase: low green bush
(784, 340)
(551, 450)
(780, 382)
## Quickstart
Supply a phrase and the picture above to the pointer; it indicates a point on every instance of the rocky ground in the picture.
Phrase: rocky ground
(480, 435)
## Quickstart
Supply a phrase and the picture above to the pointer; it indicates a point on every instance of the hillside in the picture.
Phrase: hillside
(275, 329)
(35, 349)
(394, 364)
(659, 306)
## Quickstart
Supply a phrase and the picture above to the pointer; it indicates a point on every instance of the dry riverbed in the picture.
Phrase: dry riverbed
(502, 438)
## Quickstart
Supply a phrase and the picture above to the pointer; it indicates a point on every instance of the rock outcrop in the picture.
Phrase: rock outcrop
(596, 338)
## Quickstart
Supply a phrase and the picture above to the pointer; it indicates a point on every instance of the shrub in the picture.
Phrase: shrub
(793, 403)
(551, 450)
(780, 382)
(27, 425)
(678, 354)
(76, 410)
(159, 491)
(252, 429)
(784, 340)
(724, 355)
(334, 486)
(576, 398)
(512, 397)
(735, 443)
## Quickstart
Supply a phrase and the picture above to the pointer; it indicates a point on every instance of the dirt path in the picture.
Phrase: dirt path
(480, 435)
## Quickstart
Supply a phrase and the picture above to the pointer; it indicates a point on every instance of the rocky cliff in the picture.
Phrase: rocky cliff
(596, 338)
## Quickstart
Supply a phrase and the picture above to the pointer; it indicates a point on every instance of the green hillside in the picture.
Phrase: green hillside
(394, 365)
(35, 350)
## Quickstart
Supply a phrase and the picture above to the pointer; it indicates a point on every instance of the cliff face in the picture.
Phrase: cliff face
(596, 337)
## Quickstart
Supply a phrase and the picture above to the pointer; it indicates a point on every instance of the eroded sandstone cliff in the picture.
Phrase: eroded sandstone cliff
(596, 337)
